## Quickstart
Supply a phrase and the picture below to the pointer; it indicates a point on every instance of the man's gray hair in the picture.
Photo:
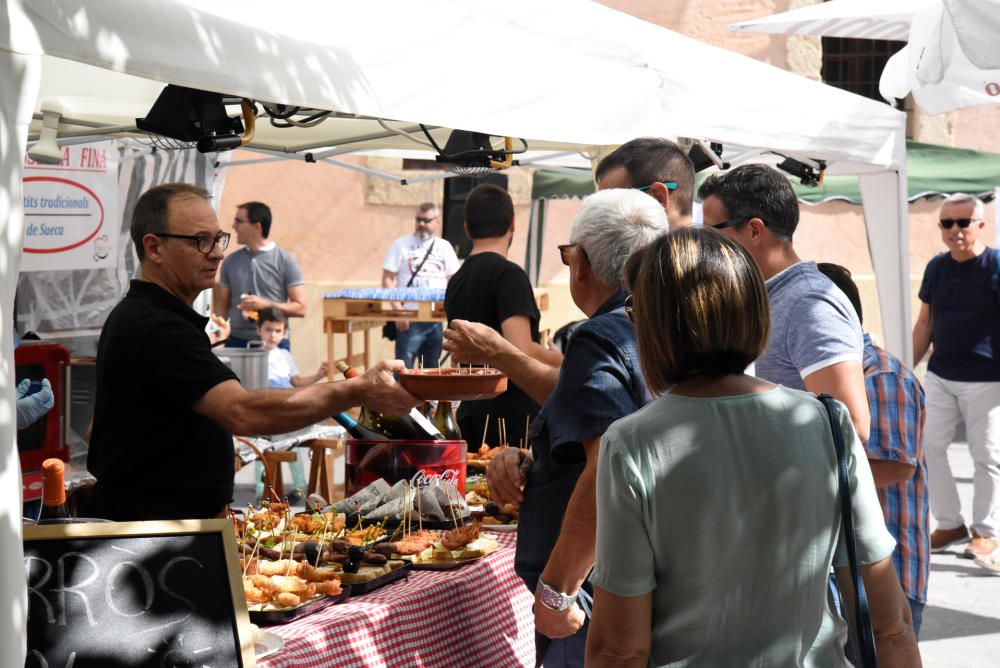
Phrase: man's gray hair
(964, 198)
(613, 224)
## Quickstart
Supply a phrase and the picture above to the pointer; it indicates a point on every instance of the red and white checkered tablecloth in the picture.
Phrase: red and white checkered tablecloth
(475, 615)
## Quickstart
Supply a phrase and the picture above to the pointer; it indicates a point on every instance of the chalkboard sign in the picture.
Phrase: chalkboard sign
(156, 594)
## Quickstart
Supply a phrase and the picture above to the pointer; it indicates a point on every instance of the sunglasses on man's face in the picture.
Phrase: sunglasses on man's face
(424, 220)
(946, 223)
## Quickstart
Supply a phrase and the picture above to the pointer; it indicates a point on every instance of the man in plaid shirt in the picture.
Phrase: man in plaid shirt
(896, 401)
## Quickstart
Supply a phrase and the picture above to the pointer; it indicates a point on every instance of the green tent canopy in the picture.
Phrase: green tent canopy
(931, 170)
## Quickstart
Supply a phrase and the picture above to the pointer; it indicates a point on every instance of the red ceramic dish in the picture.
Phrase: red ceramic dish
(452, 384)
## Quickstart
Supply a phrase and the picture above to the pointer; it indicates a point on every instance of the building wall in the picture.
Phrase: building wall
(339, 223)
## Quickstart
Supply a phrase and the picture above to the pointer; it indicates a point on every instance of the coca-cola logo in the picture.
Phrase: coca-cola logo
(423, 479)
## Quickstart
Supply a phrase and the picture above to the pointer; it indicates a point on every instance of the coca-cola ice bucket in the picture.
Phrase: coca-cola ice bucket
(394, 460)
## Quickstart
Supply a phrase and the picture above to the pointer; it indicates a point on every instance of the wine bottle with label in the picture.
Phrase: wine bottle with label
(357, 430)
(444, 420)
(53, 492)
(412, 426)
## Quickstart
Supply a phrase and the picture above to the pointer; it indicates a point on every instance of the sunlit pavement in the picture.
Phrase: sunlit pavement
(961, 626)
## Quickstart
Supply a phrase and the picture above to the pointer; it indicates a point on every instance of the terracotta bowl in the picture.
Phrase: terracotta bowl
(451, 384)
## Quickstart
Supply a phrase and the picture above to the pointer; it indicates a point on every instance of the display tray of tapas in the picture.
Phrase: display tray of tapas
(432, 550)
(268, 615)
(392, 523)
(398, 572)
(454, 383)
(443, 565)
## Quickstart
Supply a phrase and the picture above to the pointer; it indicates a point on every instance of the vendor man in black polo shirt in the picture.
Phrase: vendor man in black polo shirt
(166, 406)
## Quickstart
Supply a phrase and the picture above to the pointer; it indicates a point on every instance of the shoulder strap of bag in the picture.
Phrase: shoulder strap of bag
(420, 266)
(862, 617)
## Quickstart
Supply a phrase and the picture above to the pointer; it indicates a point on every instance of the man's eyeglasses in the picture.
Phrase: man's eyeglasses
(630, 309)
(735, 222)
(946, 223)
(564, 252)
(671, 185)
(425, 220)
(205, 242)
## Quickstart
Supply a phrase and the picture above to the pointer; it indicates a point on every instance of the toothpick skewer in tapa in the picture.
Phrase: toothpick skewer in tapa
(322, 540)
(486, 428)
(420, 513)
(451, 506)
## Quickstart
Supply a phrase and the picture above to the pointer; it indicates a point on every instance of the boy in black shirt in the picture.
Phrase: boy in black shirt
(496, 292)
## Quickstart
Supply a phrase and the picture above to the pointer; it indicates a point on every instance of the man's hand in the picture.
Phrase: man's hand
(379, 390)
(472, 342)
(553, 624)
(507, 474)
(402, 325)
(324, 369)
(254, 303)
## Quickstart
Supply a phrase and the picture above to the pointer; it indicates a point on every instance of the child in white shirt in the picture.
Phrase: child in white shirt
(282, 372)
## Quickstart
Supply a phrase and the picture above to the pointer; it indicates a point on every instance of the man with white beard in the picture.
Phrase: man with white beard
(419, 260)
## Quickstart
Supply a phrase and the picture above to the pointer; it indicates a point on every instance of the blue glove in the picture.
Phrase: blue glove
(30, 407)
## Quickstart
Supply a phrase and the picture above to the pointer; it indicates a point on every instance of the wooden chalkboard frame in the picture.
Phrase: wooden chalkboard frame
(223, 527)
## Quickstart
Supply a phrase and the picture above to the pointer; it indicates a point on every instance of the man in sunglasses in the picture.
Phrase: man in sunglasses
(166, 407)
(260, 275)
(656, 166)
(960, 315)
(419, 260)
(816, 340)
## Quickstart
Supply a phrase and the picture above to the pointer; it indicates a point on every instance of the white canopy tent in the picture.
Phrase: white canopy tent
(952, 56)
(565, 75)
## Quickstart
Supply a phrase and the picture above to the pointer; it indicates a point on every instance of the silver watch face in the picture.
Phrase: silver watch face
(555, 600)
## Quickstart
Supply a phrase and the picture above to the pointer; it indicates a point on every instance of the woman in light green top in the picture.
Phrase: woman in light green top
(717, 511)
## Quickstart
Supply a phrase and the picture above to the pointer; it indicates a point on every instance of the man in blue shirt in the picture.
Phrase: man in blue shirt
(815, 342)
(598, 383)
(960, 315)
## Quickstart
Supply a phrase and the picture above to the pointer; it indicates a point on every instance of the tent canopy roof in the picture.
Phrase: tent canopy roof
(931, 169)
(107, 64)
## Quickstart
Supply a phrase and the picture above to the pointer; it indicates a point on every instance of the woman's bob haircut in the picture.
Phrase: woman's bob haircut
(699, 305)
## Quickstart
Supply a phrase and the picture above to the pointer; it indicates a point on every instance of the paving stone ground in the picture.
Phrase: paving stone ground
(962, 618)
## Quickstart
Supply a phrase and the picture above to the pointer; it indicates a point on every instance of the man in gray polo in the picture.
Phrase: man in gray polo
(260, 275)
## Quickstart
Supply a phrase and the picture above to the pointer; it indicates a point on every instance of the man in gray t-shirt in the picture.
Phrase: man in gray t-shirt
(260, 275)
(816, 341)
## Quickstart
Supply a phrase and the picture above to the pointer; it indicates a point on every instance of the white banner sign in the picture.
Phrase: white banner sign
(71, 216)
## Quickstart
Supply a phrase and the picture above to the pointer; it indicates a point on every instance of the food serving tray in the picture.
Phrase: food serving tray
(285, 615)
(392, 523)
(443, 565)
(454, 384)
(500, 527)
(403, 571)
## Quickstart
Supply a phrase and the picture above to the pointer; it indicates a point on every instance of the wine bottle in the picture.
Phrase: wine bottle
(412, 426)
(444, 420)
(364, 418)
(357, 430)
(53, 491)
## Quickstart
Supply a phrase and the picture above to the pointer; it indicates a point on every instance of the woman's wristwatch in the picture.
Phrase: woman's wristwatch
(553, 599)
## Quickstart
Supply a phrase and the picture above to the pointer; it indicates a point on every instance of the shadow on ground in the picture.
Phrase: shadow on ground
(944, 623)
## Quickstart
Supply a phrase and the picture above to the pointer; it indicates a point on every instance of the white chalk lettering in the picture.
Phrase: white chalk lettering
(147, 585)
(34, 588)
(62, 589)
